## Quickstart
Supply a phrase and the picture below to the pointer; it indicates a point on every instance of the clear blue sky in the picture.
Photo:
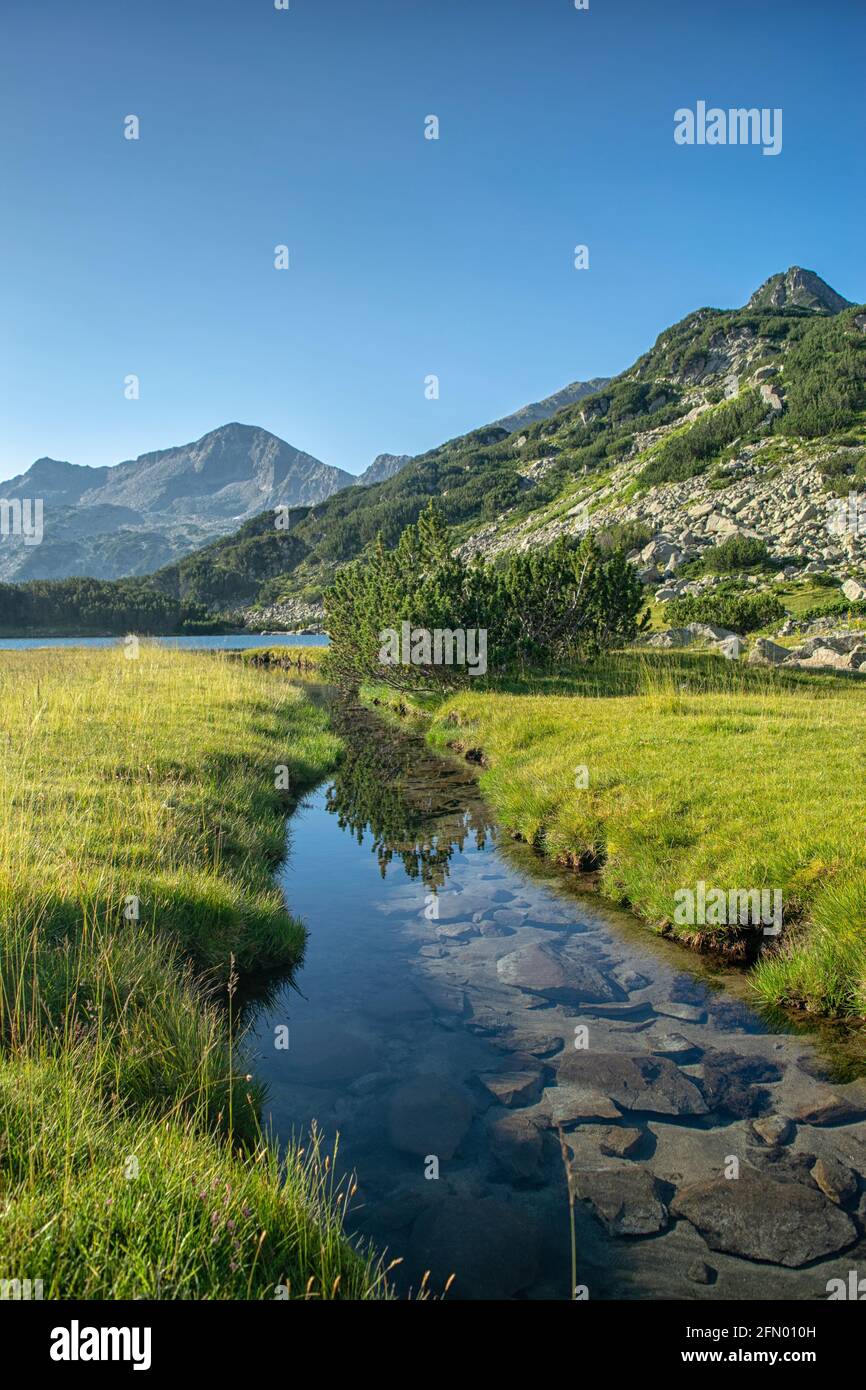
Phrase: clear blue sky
(408, 256)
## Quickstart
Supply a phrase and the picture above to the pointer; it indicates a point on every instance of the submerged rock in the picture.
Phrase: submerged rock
(783, 1223)
(512, 1087)
(541, 970)
(516, 1146)
(429, 1115)
(730, 1082)
(652, 1084)
(626, 1200)
(490, 1247)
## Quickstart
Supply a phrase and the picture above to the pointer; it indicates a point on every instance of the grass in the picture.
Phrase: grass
(304, 659)
(131, 1159)
(699, 769)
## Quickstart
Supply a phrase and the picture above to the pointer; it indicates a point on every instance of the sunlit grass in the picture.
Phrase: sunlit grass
(698, 770)
(143, 806)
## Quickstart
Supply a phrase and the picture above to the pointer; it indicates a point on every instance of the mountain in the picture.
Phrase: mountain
(736, 422)
(796, 288)
(384, 466)
(727, 406)
(135, 517)
(542, 410)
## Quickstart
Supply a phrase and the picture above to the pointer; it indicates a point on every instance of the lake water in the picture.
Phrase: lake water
(224, 642)
(481, 1035)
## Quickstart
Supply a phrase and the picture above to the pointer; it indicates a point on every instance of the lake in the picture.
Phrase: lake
(224, 642)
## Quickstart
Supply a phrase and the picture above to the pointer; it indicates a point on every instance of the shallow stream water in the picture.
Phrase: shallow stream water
(485, 1038)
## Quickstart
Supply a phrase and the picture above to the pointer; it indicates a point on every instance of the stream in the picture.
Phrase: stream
(483, 1036)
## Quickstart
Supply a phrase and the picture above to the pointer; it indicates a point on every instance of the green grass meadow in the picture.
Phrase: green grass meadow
(697, 769)
(143, 814)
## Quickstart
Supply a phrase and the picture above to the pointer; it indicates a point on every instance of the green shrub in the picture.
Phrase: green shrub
(624, 535)
(736, 553)
(685, 455)
(537, 608)
(737, 610)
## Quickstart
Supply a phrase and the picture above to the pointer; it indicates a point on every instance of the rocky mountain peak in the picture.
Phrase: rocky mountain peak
(797, 288)
(384, 466)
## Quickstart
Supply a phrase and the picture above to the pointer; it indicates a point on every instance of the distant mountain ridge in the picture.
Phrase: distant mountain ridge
(542, 410)
(384, 466)
(781, 379)
(140, 514)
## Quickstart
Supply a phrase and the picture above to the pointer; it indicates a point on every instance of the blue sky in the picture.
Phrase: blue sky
(409, 257)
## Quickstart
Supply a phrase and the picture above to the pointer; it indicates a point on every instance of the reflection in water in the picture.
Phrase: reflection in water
(414, 805)
(478, 1058)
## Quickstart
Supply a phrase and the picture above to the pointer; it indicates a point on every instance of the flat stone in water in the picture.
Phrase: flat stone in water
(626, 1200)
(686, 1013)
(540, 970)
(568, 1104)
(669, 1044)
(457, 931)
(614, 1141)
(825, 1108)
(652, 1084)
(784, 1223)
(512, 1087)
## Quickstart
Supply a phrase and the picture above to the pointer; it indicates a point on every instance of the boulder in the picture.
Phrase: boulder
(651, 1084)
(731, 647)
(773, 1129)
(429, 1115)
(767, 653)
(708, 632)
(835, 1180)
(490, 1247)
(673, 637)
(783, 1223)
(854, 590)
(542, 970)
(627, 1201)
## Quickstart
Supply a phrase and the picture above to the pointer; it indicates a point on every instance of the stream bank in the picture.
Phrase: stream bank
(466, 1021)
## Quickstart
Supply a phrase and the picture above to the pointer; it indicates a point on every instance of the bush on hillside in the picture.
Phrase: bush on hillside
(685, 455)
(739, 611)
(540, 608)
(736, 553)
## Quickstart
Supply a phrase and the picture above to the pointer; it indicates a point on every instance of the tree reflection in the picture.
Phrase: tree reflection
(416, 806)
